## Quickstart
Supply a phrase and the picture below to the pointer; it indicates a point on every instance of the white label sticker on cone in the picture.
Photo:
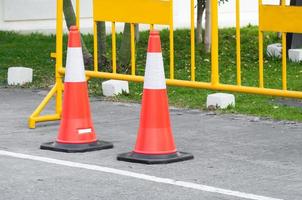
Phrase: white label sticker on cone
(75, 71)
(154, 72)
(84, 131)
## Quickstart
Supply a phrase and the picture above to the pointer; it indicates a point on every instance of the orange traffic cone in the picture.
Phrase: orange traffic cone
(155, 143)
(76, 133)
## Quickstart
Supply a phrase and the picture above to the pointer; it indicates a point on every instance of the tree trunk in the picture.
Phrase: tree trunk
(70, 19)
(200, 11)
(208, 31)
(102, 58)
(137, 33)
(124, 51)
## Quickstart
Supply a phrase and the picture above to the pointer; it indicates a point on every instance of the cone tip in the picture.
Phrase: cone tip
(74, 37)
(154, 45)
(73, 28)
(154, 32)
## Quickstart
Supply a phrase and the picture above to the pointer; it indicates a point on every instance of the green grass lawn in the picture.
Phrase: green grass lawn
(34, 50)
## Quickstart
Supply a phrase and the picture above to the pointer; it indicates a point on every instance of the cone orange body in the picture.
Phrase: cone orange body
(155, 142)
(76, 132)
(76, 123)
(155, 134)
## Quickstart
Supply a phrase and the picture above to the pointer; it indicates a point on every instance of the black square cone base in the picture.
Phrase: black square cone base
(76, 148)
(154, 159)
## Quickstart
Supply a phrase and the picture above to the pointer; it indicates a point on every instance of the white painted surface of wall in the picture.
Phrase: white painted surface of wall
(39, 15)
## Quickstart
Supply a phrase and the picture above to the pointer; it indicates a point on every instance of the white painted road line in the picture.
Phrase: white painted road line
(195, 186)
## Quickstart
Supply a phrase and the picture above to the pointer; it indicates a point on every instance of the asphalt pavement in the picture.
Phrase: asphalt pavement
(236, 156)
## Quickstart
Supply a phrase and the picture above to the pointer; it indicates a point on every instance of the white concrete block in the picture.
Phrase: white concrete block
(19, 75)
(220, 100)
(114, 87)
(295, 55)
(274, 50)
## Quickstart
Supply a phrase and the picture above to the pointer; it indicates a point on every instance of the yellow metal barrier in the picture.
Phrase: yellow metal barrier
(271, 18)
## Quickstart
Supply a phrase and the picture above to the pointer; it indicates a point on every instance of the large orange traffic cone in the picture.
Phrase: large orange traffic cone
(155, 143)
(76, 133)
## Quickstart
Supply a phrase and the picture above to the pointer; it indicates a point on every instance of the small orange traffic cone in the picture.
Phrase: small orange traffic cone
(76, 133)
(155, 143)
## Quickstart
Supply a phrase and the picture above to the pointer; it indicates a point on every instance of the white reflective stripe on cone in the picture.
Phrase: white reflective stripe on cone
(84, 131)
(75, 71)
(154, 72)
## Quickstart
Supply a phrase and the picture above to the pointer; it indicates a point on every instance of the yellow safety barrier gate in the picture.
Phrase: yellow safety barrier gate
(272, 18)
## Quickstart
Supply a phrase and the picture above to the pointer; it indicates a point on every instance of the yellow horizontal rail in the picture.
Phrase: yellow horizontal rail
(199, 85)
(47, 118)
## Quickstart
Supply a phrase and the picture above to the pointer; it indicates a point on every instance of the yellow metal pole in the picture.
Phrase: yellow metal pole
(261, 81)
(45, 101)
(284, 57)
(59, 37)
(58, 88)
(214, 48)
(151, 27)
(283, 2)
(32, 119)
(95, 47)
(113, 47)
(59, 56)
(200, 85)
(284, 68)
(171, 42)
(133, 49)
(192, 40)
(238, 42)
(78, 13)
(47, 118)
